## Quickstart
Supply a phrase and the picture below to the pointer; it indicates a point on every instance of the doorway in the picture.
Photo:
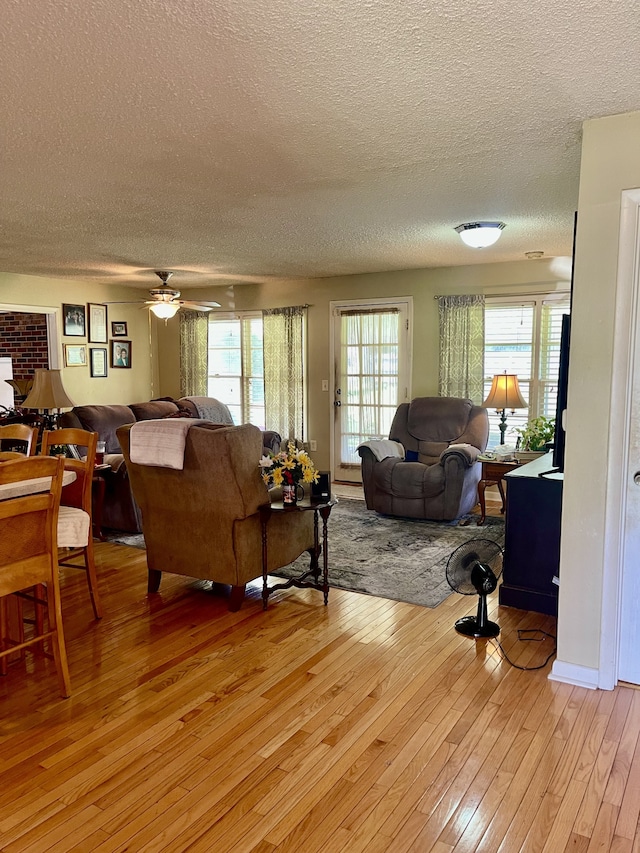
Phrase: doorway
(371, 356)
(29, 336)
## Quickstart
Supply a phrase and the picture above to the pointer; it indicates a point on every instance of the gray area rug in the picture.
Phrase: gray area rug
(398, 558)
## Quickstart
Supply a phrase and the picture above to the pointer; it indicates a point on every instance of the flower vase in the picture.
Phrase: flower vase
(289, 494)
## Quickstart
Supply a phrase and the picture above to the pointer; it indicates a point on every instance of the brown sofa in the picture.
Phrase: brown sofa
(434, 474)
(203, 521)
(120, 510)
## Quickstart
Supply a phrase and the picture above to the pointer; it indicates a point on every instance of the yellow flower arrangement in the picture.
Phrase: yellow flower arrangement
(289, 467)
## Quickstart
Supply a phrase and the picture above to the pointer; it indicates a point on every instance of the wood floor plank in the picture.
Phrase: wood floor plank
(368, 726)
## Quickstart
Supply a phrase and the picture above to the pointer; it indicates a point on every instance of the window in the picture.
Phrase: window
(523, 337)
(236, 368)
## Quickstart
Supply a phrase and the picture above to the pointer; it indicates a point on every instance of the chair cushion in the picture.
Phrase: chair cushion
(73, 527)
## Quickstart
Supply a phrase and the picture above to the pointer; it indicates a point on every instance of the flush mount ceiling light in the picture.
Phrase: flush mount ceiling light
(479, 235)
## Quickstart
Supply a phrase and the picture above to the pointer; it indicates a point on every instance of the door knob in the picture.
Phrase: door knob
(636, 478)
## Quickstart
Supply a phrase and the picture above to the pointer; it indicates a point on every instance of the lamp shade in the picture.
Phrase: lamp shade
(504, 393)
(48, 392)
(479, 235)
(165, 310)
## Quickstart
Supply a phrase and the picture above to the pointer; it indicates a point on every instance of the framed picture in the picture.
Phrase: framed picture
(97, 323)
(119, 330)
(120, 353)
(75, 355)
(98, 361)
(74, 320)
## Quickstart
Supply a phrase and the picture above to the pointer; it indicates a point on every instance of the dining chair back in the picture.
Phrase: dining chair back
(12, 435)
(28, 555)
(75, 528)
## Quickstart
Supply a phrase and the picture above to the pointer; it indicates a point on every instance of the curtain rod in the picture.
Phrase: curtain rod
(507, 295)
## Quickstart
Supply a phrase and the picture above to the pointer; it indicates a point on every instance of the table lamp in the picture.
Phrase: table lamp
(48, 396)
(504, 394)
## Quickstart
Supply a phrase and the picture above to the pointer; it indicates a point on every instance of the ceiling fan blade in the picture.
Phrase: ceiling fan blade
(199, 306)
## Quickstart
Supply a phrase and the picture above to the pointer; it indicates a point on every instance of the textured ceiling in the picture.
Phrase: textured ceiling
(234, 140)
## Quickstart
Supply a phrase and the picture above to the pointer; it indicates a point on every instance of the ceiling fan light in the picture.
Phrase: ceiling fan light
(165, 310)
(479, 235)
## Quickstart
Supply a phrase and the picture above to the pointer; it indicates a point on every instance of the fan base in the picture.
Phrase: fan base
(470, 627)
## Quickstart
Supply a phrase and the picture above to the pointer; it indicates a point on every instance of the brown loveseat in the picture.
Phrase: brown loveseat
(120, 511)
(203, 521)
(427, 469)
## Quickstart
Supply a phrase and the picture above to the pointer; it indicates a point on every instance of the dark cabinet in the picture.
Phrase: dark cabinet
(532, 537)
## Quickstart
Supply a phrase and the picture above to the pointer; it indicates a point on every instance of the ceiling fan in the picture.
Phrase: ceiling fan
(165, 301)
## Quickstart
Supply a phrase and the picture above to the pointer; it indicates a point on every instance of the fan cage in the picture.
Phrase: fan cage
(462, 560)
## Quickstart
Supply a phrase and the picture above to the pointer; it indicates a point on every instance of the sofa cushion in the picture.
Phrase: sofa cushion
(153, 410)
(105, 420)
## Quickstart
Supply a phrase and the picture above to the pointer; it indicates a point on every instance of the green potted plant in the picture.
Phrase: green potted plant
(534, 437)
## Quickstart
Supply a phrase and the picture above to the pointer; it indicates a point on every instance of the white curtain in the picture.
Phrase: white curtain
(284, 380)
(194, 331)
(461, 347)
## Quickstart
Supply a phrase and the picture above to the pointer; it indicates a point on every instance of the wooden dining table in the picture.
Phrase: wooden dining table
(31, 487)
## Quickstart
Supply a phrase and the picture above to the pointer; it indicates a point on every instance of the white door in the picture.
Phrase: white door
(371, 355)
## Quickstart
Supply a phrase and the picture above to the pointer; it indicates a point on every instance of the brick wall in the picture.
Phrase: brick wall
(24, 338)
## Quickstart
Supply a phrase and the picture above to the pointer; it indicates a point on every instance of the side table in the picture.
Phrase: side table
(492, 475)
(98, 486)
(310, 578)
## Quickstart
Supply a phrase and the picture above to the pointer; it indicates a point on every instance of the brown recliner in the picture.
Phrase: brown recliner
(203, 521)
(434, 474)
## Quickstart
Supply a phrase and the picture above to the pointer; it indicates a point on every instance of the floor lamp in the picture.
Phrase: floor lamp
(504, 394)
(48, 396)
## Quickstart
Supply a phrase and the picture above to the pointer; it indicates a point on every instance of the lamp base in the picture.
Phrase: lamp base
(502, 426)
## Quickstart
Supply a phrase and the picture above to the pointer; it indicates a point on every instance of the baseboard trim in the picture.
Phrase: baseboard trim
(571, 673)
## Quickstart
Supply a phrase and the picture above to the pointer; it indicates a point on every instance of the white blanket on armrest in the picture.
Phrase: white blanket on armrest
(160, 443)
(383, 448)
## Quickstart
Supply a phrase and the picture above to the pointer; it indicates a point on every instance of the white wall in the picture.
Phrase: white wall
(610, 164)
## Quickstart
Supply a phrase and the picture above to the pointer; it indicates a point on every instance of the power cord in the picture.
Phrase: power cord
(533, 639)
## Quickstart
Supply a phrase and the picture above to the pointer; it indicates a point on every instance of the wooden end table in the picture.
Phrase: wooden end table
(98, 486)
(310, 578)
(492, 475)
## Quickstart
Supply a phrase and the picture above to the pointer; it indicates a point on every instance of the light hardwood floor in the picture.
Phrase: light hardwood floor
(368, 725)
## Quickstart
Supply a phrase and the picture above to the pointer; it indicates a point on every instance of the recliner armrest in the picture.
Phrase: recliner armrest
(467, 453)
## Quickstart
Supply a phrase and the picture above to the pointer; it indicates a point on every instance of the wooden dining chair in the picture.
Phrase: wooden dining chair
(75, 528)
(29, 555)
(10, 434)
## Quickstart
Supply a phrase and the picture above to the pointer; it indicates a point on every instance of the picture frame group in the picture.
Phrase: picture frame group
(90, 321)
